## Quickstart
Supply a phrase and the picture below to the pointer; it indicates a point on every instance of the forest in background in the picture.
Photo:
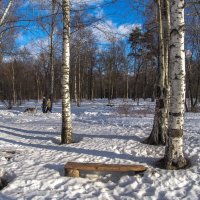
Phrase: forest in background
(125, 67)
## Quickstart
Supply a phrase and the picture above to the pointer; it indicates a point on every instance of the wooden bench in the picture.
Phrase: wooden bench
(72, 169)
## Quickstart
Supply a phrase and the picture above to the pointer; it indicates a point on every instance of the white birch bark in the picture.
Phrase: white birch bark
(66, 136)
(5, 12)
(4, 16)
(174, 156)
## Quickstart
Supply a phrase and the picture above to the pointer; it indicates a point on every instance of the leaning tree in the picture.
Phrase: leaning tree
(160, 125)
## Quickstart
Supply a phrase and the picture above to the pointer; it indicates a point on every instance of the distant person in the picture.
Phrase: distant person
(49, 106)
(44, 105)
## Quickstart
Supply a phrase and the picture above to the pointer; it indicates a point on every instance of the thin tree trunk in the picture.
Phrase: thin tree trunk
(127, 88)
(38, 86)
(13, 84)
(79, 82)
(20, 93)
(66, 136)
(167, 29)
(102, 93)
(75, 81)
(197, 92)
(190, 86)
(5, 12)
(4, 16)
(174, 156)
(109, 85)
(52, 52)
(112, 90)
(92, 88)
(91, 81)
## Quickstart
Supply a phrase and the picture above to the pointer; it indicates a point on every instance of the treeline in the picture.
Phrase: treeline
(126, 68)
(94, 74)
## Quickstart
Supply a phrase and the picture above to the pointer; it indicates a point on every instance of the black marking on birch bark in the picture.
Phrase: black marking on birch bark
(175, 32)
(176, 77)
(182, 27)
(158, 91)
(175, 133)
(178, 57)
(172, 46)
(164, 92)
(161, 103)
(175, 114)
(183, 6)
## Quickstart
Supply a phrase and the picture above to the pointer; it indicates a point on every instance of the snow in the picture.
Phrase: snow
(32, 161)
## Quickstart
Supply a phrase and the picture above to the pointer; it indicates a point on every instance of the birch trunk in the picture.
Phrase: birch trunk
(174, 156)
(4, 16)
(66, 136)
(52, 52)
(160, 126)
(5, 12)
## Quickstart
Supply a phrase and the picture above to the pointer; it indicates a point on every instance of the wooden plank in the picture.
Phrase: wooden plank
(75, 166)
(72, 172)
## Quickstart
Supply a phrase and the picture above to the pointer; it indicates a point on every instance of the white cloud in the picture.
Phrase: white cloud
(126, 29)
(108, 31)
(19, 37)
(88, 2)
(99, 13)
(35, 2)
(36, 46)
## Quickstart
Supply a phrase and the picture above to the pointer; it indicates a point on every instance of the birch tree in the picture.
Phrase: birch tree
(160, 126)
(66, 135)
(5, 12)
(174, 155)
(2, 18)
(52, 52)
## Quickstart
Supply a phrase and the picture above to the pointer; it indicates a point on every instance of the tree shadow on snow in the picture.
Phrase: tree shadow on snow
(91, 152)
(79, 137)
(28, 131)
(27, 136)
(5, 197)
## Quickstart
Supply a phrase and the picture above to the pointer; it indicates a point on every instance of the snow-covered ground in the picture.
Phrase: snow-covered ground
(32, 160)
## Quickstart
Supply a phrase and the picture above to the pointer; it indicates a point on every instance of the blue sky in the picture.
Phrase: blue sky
(122, 17)
(122, 12)
(118, 17)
